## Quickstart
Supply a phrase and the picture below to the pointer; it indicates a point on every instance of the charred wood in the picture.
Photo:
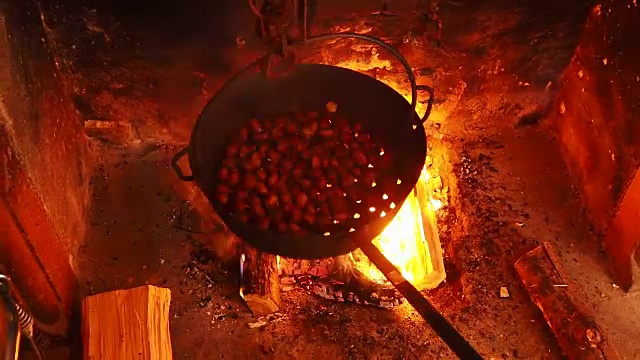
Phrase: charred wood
(261, 282)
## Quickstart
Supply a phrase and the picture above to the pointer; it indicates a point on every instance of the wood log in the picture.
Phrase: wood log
(578, 335)
(127, 324)
(261, 290)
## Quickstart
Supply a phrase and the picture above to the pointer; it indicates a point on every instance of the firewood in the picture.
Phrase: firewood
(261, 282)
(127, 324)
(578, 335)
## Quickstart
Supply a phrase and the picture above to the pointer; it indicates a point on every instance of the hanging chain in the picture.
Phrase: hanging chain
(275, 18)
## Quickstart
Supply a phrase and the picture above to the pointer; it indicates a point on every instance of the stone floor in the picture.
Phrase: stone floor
(509, 191)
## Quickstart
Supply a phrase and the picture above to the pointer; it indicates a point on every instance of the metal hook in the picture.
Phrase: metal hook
(10, 328)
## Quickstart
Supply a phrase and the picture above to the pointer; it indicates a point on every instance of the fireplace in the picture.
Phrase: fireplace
(519, 228)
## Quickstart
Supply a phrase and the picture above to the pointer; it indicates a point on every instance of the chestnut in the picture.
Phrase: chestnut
(301, 199)
(300, 167)
(271, 201)
(250, 181)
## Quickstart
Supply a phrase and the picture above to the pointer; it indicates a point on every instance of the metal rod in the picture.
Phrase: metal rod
(383, 44)
(306, 14)
(458, 344)
(10, 329)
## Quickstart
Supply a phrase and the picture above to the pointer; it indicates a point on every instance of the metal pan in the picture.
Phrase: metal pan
(381, 110)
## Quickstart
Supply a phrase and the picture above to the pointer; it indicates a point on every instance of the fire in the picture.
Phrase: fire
(404, 241)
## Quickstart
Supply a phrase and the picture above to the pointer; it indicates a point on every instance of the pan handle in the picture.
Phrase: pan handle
(383, 44)
(432, 98)
(176, 166)
(374, 40)
(430, 314)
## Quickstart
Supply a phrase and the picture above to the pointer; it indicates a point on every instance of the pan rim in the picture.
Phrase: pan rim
(342, 242)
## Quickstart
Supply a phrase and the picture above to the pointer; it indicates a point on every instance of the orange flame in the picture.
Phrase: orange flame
(403, 242)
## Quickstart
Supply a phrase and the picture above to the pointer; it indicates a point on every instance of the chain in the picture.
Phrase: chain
(275, 17)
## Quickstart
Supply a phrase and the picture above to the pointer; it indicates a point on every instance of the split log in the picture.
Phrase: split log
(261, 290)
(578, 335)
(127, 324)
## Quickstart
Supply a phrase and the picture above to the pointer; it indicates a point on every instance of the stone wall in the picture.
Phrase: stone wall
(597, 116)
(45, 192)
(47, 130)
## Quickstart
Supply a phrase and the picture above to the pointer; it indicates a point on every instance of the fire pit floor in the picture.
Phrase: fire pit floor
(509, 192)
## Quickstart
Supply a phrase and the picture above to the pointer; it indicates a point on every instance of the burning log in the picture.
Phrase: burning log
(261, 290)
(338, 280)
(127, 324)
(353, 292)
(578, 335)
(410, 241)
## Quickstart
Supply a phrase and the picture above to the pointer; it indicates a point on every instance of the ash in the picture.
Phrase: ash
(336, 279)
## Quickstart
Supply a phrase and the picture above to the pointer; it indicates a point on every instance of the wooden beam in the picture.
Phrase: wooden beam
(127, 324)
(578, 335)
(261, 281)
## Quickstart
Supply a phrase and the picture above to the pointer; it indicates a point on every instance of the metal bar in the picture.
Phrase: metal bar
(9, 327)
(458, 344)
